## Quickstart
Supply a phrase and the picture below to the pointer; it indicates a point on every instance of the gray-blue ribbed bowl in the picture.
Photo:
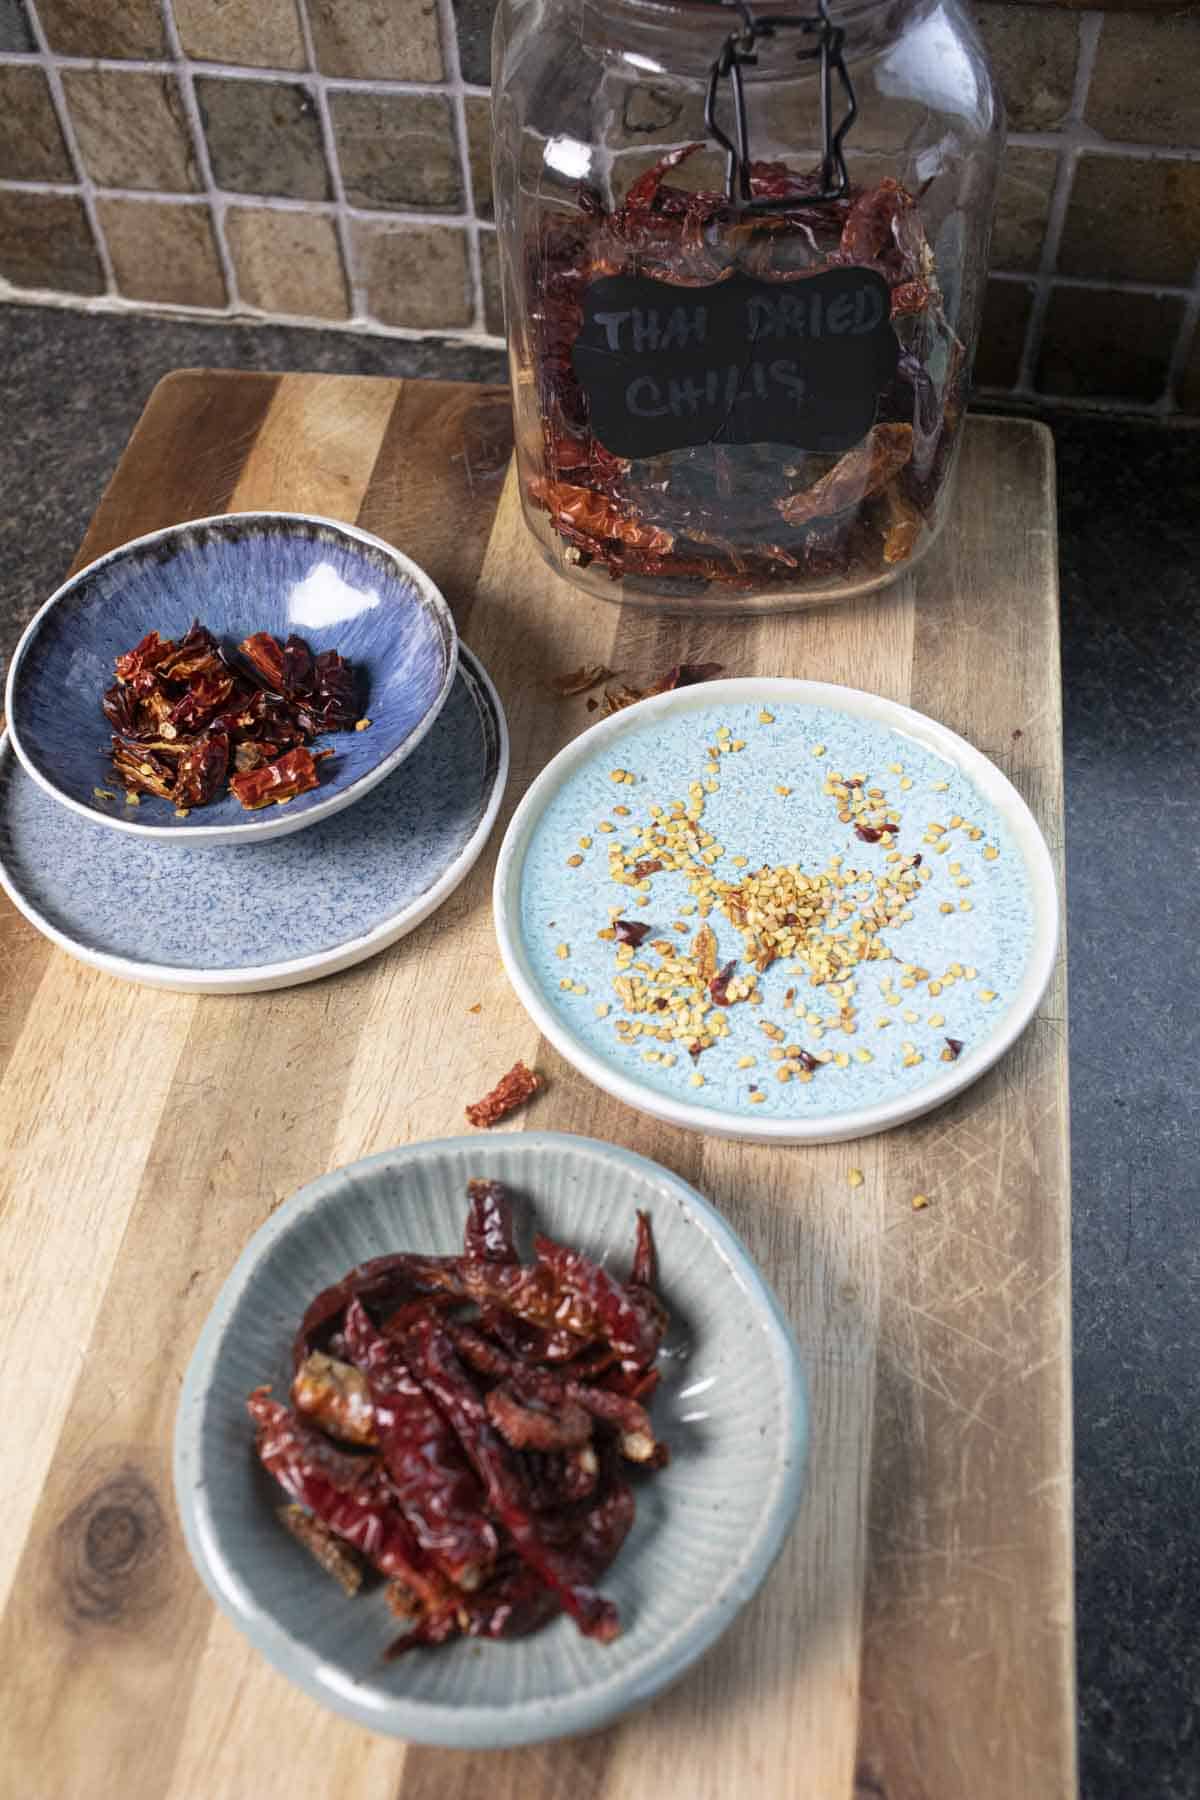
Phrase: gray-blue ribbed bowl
(239, 573)
(731, 1406)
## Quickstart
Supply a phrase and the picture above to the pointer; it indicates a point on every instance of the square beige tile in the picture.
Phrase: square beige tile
(131, 129)
(163, 252)
(46, 242)
(1145, 87)
(288, 262)
(1033, 52)
(104, 27)
(255, 34)
(397, 151)
(1022, 207)
(264, 137)
(493, 286)
(1006, 311)
(31, 143)
(479, 153)
(386, 40)
(1112, 346)
(414, 275)
(1133, 219)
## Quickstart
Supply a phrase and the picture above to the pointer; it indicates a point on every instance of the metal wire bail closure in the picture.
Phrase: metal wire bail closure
(738, 50)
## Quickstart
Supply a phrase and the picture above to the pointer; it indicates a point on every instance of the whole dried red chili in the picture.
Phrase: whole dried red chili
(438, 1494)
(348, 1493)
(439, 1371)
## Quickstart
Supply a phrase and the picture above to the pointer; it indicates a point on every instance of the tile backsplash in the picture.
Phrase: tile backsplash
(327, 162)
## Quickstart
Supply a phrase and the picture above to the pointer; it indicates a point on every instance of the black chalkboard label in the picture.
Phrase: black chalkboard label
(740, 362)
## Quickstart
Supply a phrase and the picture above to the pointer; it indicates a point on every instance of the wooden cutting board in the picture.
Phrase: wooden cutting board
(915, 1638)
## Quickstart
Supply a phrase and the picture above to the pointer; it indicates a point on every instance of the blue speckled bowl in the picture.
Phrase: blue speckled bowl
(731, 1406)
(338, 587)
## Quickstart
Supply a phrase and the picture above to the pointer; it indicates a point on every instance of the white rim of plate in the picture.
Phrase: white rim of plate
(833, 1127)
(504, 1725)
(247, 832)
(323, 962)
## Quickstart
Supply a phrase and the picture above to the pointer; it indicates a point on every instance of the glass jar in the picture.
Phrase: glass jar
(721, 407)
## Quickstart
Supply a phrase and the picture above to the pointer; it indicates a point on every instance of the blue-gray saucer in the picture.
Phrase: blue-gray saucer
(238, 918)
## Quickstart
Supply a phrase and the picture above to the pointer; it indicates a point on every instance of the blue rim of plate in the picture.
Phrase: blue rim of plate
(837, 1127)
(481, 1727)
(255, 827)
(292, 972)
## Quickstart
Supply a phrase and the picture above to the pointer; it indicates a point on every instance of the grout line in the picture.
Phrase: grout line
(1096, 284)
(87, 192)
(1081, 137)
(137, 65)
(116, 305)
(191, 107)
(355, 287)
(228, 197)
(1089, 40)
(453, 67)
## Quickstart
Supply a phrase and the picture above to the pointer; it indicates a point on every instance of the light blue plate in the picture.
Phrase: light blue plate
(338, 587)
(731, 1407)
(236, 918)
(985, 904)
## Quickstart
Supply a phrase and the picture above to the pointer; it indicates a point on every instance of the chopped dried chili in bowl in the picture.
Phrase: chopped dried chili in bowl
(191, 717)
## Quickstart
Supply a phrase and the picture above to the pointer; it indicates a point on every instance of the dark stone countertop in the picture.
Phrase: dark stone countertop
(1129, 498)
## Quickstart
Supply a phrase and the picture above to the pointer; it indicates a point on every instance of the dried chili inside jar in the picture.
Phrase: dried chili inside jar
(740, 321)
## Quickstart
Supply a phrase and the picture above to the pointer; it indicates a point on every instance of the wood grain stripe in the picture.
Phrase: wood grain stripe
(437, 482)
(970, 1472)
(184, 459)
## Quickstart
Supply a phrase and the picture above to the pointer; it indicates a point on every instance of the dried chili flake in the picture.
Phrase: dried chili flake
(588, 675)
(293, 773)
(681, 676)
(718, 987)
(512, 1090)
(954, 1046)
(649, 866)
(630, 931)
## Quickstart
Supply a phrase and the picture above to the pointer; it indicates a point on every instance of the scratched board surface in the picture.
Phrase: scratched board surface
(915, 1637)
